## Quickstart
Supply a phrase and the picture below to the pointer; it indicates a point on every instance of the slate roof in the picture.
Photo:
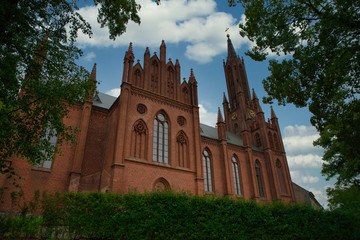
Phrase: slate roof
(211, 132)
(103, 100)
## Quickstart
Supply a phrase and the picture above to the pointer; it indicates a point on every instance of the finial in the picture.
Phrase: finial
(138, 61)
(227, 33)
(130, 47)
(191, 72)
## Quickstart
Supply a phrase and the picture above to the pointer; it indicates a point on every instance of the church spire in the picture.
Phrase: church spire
(231, 50)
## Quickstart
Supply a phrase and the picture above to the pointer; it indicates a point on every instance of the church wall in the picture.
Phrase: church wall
(55, 179)
(109, 146)
(142, 176)
(94, 150)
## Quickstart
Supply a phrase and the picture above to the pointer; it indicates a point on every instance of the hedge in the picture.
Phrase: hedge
(169, 215)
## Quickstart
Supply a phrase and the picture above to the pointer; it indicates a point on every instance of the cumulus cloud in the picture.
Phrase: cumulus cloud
(299, 178)
(306, 161)
(114, 92)
(89, 57)
(206, 117)
(298, 140)
(309, 179)
(195, 23)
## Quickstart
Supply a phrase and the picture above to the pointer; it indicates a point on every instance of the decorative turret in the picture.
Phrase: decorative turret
(163, 51)
(220, 126)
(219, 117)
(193, 88)
(128, 64)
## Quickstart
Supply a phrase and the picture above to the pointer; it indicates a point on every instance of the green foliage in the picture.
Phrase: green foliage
(345, 199)
(321, 70)
(39, 77)
(168, 215)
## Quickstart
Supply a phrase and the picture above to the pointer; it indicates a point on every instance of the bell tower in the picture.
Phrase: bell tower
(240, 107)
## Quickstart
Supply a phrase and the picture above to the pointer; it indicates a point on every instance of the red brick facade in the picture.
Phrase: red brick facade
(151, 137)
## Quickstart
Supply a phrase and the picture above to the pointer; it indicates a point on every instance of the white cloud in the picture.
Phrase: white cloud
(309, 179)
(320, 195)
(299, 178)
(90, 57)
(306, 161)
(195, 23)
(298, 140)
(114, 92)
(208, 118)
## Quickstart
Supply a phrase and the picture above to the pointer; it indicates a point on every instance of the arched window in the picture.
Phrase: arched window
(161, 139)
(139, 140)
(49, 135)
(276, 142)
(207, 171)
(259, 179)
(182, 155)
(161, 185)
(236, 174)
(258, 140)
(281, 177)
(271, 140)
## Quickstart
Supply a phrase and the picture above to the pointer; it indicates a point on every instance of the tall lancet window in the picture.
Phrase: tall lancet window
(236, 174)
(259, 179)
(161, 139)
(207, 172)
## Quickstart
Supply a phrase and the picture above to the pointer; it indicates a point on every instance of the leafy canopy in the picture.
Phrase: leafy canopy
(321, 69)
(39, 77)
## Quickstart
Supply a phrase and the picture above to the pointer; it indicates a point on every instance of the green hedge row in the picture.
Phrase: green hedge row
(168, 215)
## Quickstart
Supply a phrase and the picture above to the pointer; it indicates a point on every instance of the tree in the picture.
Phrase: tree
(39, 77)
(321, 70)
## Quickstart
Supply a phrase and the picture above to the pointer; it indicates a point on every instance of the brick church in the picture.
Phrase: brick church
(150, 137)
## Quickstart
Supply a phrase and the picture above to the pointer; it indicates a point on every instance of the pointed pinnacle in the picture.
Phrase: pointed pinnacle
(272, 113)
(192, 77)
(162, 44)
(147, 52)
(220, 118)
(254, 95)
(93, 72)
(224, 99)
(130, 47)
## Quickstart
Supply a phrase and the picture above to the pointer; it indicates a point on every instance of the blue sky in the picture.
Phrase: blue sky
(194, 33)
